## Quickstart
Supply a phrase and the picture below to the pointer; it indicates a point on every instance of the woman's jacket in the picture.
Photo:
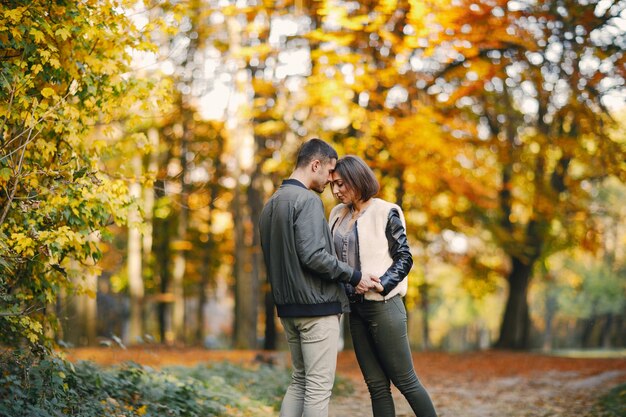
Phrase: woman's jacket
(382, 245)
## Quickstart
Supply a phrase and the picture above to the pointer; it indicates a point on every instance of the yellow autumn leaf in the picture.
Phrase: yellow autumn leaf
(355, 22)
(38, 35)
(36, 69)
(45, 56)
(388, 6)
(63, 33)
(89, 293)
(15, 15)
(270, 127)
(17, 34)
(47, 92)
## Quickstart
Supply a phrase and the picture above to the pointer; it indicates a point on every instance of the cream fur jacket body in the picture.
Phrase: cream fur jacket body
(373, 245)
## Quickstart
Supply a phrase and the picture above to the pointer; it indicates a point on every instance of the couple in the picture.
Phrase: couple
(359, 265)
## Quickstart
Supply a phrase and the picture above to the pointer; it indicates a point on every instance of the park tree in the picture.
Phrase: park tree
(186, 168)
(65, 73)
(214, 161)
(582, 300)
(533, 78)
(186, 55)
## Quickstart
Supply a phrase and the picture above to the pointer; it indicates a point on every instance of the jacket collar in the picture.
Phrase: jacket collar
(291, 181)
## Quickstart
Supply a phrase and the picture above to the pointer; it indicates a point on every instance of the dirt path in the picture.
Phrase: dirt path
(483, 384)
(556, 394)
(497, 384)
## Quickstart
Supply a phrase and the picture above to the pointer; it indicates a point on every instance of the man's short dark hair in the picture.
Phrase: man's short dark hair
(315, 149)
(358, 177)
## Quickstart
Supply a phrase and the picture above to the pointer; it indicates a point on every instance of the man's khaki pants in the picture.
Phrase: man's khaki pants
(313, 344)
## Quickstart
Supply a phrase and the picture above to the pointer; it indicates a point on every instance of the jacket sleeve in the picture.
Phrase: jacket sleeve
(399, 251)
(312, 234)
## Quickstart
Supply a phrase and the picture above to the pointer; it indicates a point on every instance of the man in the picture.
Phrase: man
(306, 278)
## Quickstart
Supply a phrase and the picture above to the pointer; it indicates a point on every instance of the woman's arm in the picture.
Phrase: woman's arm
(399, 251)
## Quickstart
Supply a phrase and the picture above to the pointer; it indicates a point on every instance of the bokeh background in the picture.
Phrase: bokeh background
(139, 141)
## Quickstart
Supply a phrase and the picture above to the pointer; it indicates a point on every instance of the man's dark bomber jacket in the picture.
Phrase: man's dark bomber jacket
(302, 269)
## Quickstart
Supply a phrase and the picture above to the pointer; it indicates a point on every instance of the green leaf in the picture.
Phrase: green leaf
(5, 174)
(80, 173)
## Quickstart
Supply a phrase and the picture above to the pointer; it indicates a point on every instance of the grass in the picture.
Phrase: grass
(612, 404)
(589, 353)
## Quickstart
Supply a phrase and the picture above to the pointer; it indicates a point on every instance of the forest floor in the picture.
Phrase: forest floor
(479, 384)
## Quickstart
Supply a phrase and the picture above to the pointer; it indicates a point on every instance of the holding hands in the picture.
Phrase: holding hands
(369, 282)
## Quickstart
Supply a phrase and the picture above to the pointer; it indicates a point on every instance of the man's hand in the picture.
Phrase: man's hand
(368, 282)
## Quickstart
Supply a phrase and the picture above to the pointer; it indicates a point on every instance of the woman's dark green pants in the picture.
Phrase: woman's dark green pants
(381, 344)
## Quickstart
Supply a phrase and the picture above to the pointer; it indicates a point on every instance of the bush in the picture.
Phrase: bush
(53, 387)
(262, 382)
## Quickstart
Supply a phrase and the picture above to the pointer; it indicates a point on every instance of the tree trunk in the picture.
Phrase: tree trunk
(162, 255)
(56, 329)
(515, 328)
(551, 306)
(134, 261)
(246, 291)
(587, 331)
(246, 283)
(206, 279)
(202, 292)
(80, 312)
(180, 257)
(423, 289)
(211, 250)
(620, 334)
(270, 342)
(148, 264)
(90, 309)
(255, 204)
(605, 334)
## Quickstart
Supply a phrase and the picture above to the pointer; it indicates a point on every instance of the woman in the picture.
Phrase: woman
(369, 234)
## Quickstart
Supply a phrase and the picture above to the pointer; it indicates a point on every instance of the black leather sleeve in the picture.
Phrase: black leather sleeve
(399, 251)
